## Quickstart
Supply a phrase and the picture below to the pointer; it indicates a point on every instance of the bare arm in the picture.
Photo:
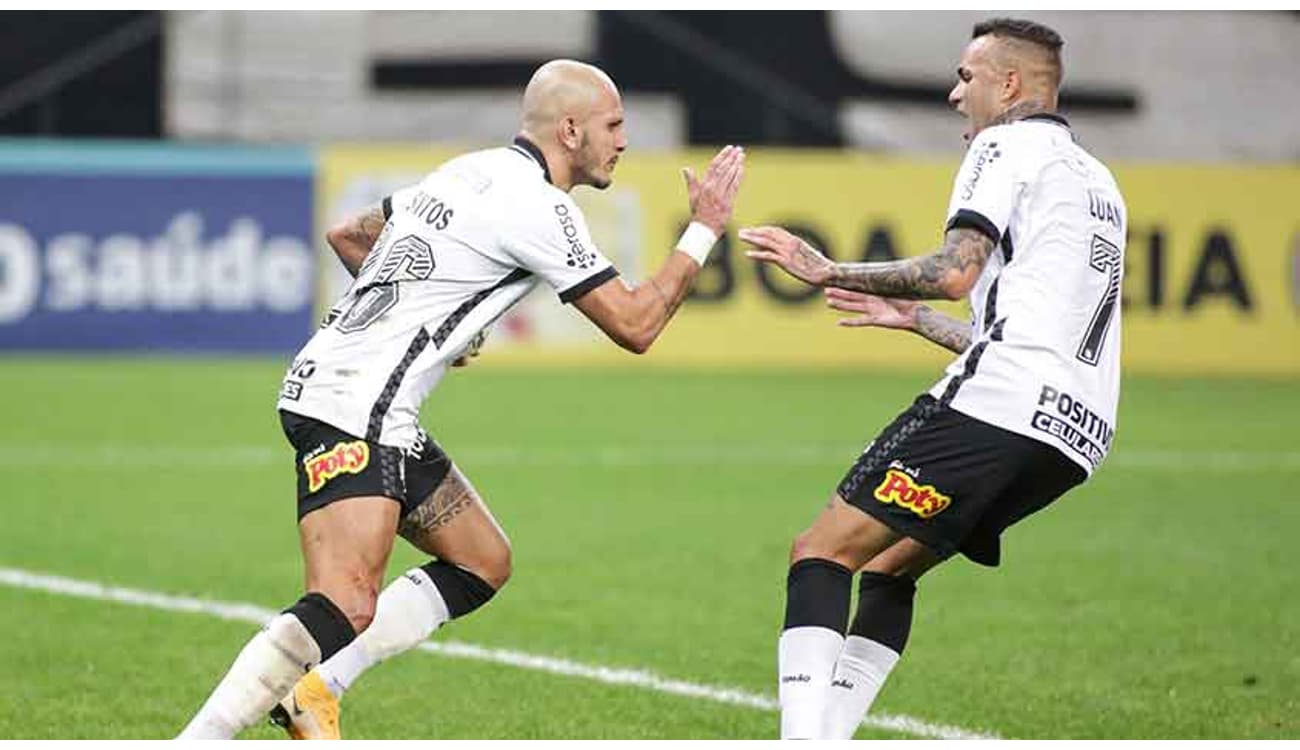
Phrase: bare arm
(947, 273)
(352, 239)
(903, 315)
(634, 317)
(944, 330)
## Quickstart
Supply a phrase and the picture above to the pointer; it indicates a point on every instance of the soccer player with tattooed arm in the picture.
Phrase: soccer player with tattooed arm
(1035, 240)
(435, 265)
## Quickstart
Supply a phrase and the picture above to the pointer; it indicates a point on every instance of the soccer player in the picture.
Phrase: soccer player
(435, 264)
(1035, 238)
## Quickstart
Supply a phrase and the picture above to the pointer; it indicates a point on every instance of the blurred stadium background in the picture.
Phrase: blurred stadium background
(165, 178)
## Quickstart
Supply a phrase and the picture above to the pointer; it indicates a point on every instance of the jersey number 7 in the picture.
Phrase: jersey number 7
(1105, 258)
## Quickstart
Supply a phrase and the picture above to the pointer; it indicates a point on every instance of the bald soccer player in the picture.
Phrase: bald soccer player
(435, 264)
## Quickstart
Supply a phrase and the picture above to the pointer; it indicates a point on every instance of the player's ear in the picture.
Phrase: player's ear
(1012, 84)
(568, 134)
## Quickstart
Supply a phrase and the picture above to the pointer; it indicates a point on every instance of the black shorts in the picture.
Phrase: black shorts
(955, 483)
(333, 465)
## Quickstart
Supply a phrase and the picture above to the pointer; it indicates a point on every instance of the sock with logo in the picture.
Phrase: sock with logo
(875, 642)
(268, 666)
(408, 611)
(816, 611)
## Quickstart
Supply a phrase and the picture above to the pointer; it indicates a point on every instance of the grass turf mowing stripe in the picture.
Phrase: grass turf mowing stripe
(631, 677)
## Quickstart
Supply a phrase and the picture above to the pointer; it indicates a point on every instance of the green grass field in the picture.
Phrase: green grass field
(651, 514)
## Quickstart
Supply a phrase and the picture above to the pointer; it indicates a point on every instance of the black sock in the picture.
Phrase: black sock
(817, 594)
(324, 621)
(884, 609)
(463, 591)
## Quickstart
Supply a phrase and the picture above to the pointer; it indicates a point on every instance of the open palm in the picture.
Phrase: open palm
(882, 312)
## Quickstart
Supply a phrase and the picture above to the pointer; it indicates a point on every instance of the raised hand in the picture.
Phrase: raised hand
(713, 197)
(793, 255)
(882, 312)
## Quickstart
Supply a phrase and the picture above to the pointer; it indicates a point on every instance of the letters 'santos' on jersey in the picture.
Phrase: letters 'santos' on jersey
(459, 249)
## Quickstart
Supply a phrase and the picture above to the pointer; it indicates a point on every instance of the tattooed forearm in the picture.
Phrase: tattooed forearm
(670, 305)
(657, 300)
(944, 330)
(945, 274)
(807, 263)
(451, 498)
(353, 239)
(371, 225)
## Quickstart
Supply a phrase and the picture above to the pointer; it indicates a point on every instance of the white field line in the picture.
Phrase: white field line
(134, 456)
(646, 680)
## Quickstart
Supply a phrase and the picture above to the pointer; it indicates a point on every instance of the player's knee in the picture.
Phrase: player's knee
(897, 568)
(462, 589)
(817, 544)
(494, 565)
(887, 567)
(499, 567)
(907, 558)
(805, 546)
(355, 593)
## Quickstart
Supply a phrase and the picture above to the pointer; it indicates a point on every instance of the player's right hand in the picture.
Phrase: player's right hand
(713, 197)
(794, 256)
(882, 312)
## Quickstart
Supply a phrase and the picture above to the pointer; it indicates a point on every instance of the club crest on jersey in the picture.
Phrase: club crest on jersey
(343, 458)
(902, 490)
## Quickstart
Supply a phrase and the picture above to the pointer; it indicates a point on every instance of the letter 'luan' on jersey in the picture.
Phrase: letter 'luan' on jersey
(1045, 312)
(459, 249)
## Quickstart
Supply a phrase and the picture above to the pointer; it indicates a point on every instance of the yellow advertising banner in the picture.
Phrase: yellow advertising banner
(1212, 280)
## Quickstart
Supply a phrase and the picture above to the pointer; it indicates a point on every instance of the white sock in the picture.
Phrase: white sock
(805, 661)
(408, 611)
(859, 674)
(262, 674)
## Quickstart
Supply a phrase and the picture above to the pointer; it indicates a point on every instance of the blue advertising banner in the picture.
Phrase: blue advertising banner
(155, 247)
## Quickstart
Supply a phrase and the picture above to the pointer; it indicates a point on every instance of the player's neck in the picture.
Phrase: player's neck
(1027, 107)
(556, 169)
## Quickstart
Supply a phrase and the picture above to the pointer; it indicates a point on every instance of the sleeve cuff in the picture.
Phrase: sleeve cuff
(587, 284)
(974, 220)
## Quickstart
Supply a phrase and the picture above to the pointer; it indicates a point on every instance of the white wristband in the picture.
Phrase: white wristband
(697, 241)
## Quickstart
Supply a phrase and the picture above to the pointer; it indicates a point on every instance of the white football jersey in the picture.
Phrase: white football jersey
(459, 249)
(1045, 312)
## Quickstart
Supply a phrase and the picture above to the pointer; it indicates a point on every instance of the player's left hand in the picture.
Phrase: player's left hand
(714, 196)
(794, 256)
(881, 312)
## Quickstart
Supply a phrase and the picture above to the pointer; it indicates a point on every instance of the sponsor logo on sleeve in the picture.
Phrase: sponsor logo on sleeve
(578, 256)
(988, 154)
(902, 490)
(343, 458)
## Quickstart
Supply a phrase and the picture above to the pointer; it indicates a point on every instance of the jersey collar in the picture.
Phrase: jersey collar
(1050, 117)
(529, 149)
